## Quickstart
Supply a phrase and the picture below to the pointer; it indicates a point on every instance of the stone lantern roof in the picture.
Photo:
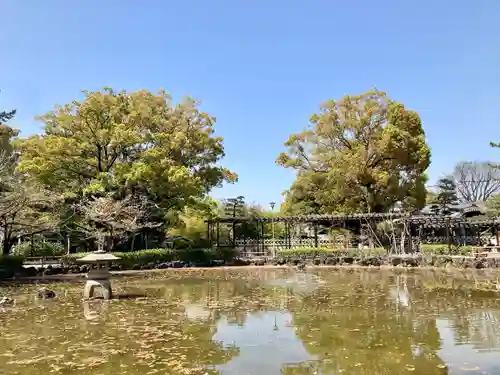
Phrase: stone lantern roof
(99, 256)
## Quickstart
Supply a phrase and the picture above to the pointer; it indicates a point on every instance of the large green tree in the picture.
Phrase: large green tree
(361, 153)
(120, 141)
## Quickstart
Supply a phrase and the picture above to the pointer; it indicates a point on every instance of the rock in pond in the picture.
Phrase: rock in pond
(301, 266)
(44, 293)
(6, 301)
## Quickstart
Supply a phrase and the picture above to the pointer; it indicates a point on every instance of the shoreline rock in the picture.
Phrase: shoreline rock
(406, 261)
(440, 261)
(6, 301)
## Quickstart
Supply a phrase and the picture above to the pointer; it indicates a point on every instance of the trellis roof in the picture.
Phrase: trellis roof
(311, 218)
(427, 221)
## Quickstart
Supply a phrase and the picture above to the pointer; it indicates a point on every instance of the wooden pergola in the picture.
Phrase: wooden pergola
(451, 226)
(352, 222)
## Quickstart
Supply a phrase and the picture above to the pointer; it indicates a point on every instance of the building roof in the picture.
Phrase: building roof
(460, 209)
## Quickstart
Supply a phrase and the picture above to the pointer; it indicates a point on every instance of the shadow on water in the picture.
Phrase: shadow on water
(120, 297)
(130, 296)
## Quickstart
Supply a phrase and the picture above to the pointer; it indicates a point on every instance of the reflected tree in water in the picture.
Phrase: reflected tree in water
(355, 327)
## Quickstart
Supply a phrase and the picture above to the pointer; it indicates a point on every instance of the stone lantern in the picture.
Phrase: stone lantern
(98, 275)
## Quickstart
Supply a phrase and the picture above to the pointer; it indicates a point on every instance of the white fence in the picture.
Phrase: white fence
(348, 243)
(293, 243)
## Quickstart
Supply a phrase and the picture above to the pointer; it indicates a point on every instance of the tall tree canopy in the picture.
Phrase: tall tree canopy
(476, 181)
(361, 153)
(114, 141)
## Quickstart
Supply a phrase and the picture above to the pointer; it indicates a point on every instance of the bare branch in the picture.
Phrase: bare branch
(106, 217)
(476, 181)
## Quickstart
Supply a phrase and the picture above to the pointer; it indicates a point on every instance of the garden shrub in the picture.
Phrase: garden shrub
(9, 265)
(225, 253)
(194, 255)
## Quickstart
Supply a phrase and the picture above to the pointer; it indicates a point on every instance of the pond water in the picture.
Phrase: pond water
(258, 322)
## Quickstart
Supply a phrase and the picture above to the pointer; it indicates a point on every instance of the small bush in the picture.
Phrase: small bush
(194, 255)
(226, 254)
(143, 257)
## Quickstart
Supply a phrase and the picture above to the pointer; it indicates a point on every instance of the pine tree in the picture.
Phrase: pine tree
(6, 116)
(447, 194)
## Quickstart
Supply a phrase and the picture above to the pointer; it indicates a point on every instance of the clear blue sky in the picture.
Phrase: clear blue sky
(263, 67)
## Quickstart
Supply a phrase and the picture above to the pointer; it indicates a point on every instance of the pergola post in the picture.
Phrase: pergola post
(410, 239)
(209, 237)
(316, 234)
(263, 237)
(217, 234)
(244, 236)
(448, 239)
(234, 234)
(495, 226)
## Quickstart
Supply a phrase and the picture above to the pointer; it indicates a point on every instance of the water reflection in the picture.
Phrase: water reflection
(94, 310)
(260, 322)
(399, 293)
(267, 342)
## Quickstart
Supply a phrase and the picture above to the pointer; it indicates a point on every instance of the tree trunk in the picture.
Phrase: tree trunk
(132, 242)
(6, 244)
(68, 243)
(5, 247)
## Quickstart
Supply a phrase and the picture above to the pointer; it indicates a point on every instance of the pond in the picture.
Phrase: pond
(258, 322)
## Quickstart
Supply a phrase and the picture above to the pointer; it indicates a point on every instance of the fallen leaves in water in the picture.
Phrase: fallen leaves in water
(341, 322)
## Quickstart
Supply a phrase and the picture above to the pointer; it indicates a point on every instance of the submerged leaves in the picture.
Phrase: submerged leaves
(349, 323)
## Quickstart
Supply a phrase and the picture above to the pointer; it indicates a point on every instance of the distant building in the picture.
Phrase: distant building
(457, 210)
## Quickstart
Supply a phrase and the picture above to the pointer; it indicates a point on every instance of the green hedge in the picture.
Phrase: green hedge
(425, 249)
(443, 249)
(143, 257)
(324, 251)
